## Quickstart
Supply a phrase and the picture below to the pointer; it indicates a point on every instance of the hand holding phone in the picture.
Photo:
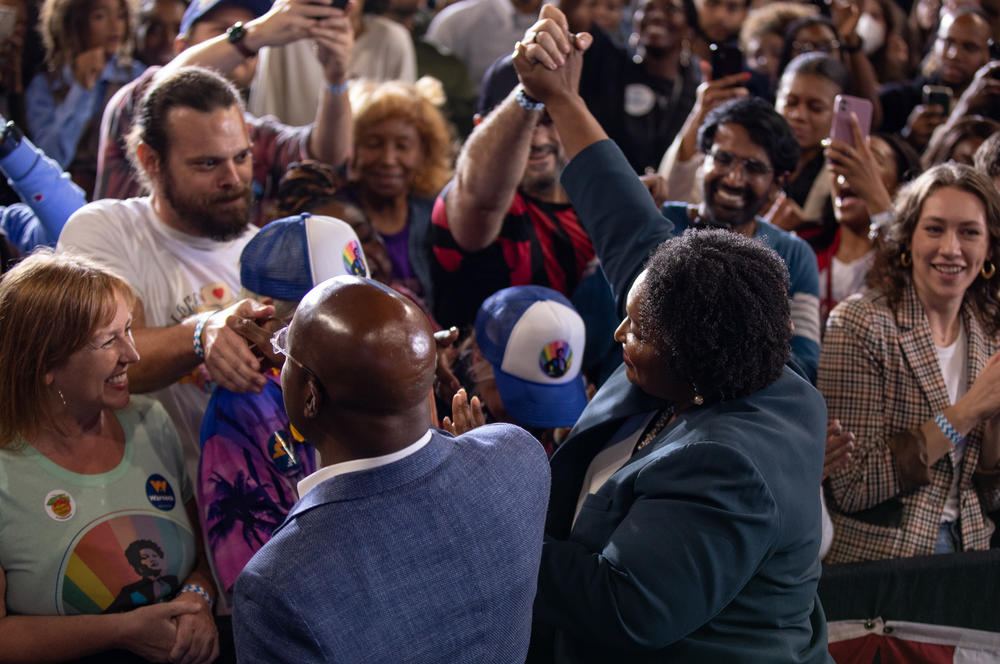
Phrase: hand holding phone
(727, 59)
(939, 95)
(843, 107)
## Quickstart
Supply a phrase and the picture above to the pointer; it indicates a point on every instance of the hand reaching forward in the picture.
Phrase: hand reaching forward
(228, 357)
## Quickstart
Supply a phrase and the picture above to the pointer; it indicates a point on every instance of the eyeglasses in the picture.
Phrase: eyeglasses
(726, 162)
(279, 344)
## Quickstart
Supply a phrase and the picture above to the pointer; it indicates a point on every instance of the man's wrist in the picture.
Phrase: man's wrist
(526, 101)
(198, 339)
(237, 35)
(197, 590)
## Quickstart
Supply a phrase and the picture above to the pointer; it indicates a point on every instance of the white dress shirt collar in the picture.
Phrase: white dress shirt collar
(355, 465)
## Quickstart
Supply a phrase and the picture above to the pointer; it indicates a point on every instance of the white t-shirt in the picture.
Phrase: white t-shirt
(954, 361)
(175, 275)
(847, 278)
(479, 32)
(289, 79)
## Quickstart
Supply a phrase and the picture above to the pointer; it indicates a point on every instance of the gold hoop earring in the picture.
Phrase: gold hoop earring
(988, 274)
(905, 259)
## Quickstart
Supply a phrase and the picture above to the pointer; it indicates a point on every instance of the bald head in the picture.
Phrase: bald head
(371, 348)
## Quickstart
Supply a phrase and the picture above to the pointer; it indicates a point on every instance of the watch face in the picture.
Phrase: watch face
(236, 33)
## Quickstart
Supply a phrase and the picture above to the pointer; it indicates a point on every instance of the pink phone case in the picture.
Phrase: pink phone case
(843, 106)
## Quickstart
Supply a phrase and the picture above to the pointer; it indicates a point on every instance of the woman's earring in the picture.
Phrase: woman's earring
(988, 273)
(685, 52)
(905, 259)
(62, 398)
(697, 399)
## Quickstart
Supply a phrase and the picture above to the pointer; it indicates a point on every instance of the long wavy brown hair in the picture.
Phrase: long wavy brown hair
(888, 274)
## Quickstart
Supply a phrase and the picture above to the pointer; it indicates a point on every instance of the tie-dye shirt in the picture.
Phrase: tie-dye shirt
(246, 478)
(114, 541)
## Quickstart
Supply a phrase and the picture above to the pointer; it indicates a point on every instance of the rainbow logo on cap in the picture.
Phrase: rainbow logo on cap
(556, 358)
(354, 261)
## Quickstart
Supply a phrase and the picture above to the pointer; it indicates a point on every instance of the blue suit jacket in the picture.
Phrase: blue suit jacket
(432, 558)
(704, 546)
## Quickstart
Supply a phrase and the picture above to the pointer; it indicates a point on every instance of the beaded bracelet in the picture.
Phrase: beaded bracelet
(528, 103)
(199, 350)
(340, 88)
(191, 588)
(947, 429)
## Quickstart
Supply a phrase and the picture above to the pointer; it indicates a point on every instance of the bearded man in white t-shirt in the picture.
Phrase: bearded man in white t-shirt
(179, 247)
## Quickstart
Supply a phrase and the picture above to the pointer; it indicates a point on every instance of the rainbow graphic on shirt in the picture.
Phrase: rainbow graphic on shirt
(354, 259)
(556, 358)
(95, 569)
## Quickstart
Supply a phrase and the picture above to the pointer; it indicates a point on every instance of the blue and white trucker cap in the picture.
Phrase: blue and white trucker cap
(289, 256)
(534, 339)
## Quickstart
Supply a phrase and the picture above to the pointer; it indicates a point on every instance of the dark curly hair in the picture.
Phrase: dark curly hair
(888, 274)
(718, 303)
(765, 126)
(133, 553)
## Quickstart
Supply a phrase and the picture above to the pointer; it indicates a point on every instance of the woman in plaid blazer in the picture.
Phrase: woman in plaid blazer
(911, 368)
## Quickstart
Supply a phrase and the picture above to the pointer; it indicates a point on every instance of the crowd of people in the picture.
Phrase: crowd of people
(487, 331)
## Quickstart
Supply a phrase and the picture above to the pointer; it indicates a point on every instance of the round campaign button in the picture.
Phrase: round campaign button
(160, 493)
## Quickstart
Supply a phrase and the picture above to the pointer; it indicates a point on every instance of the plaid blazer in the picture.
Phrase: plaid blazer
(880, 375)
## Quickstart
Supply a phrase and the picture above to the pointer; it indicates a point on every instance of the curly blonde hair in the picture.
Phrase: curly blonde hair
(62, 25)
(419, 104)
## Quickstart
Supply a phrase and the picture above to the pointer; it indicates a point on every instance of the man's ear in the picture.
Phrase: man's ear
(314, 400)
(149, 159)
(180, 44)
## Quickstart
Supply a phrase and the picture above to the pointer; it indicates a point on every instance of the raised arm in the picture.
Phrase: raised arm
(611, 202)
(488, 170)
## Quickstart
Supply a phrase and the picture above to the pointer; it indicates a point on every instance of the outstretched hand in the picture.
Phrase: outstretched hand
(228, 357)
(549, 59)
(466, 414)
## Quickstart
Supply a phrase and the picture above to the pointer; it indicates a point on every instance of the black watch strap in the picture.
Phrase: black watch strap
(235, 35)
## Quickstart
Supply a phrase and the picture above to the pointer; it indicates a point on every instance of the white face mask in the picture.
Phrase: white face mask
(872, 33)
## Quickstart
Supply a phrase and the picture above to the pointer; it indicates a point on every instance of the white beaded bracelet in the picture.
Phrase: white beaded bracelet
(191, 588)
(528, 103)
(199, 349)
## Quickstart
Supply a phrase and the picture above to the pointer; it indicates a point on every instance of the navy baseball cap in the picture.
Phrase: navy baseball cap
(534, 339)
(289, 256)
(198, 8)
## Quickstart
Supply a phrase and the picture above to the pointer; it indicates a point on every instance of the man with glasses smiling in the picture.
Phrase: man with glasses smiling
(749, 153)
(961, 48)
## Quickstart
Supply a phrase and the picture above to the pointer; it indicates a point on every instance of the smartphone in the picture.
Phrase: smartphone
(727, 59)
(843, 106)
(940, 95)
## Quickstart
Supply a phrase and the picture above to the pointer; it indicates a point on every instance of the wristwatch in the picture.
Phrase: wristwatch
(235, 36)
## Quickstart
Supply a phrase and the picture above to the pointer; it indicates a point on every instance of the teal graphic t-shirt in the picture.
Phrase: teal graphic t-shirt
(114, 541)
